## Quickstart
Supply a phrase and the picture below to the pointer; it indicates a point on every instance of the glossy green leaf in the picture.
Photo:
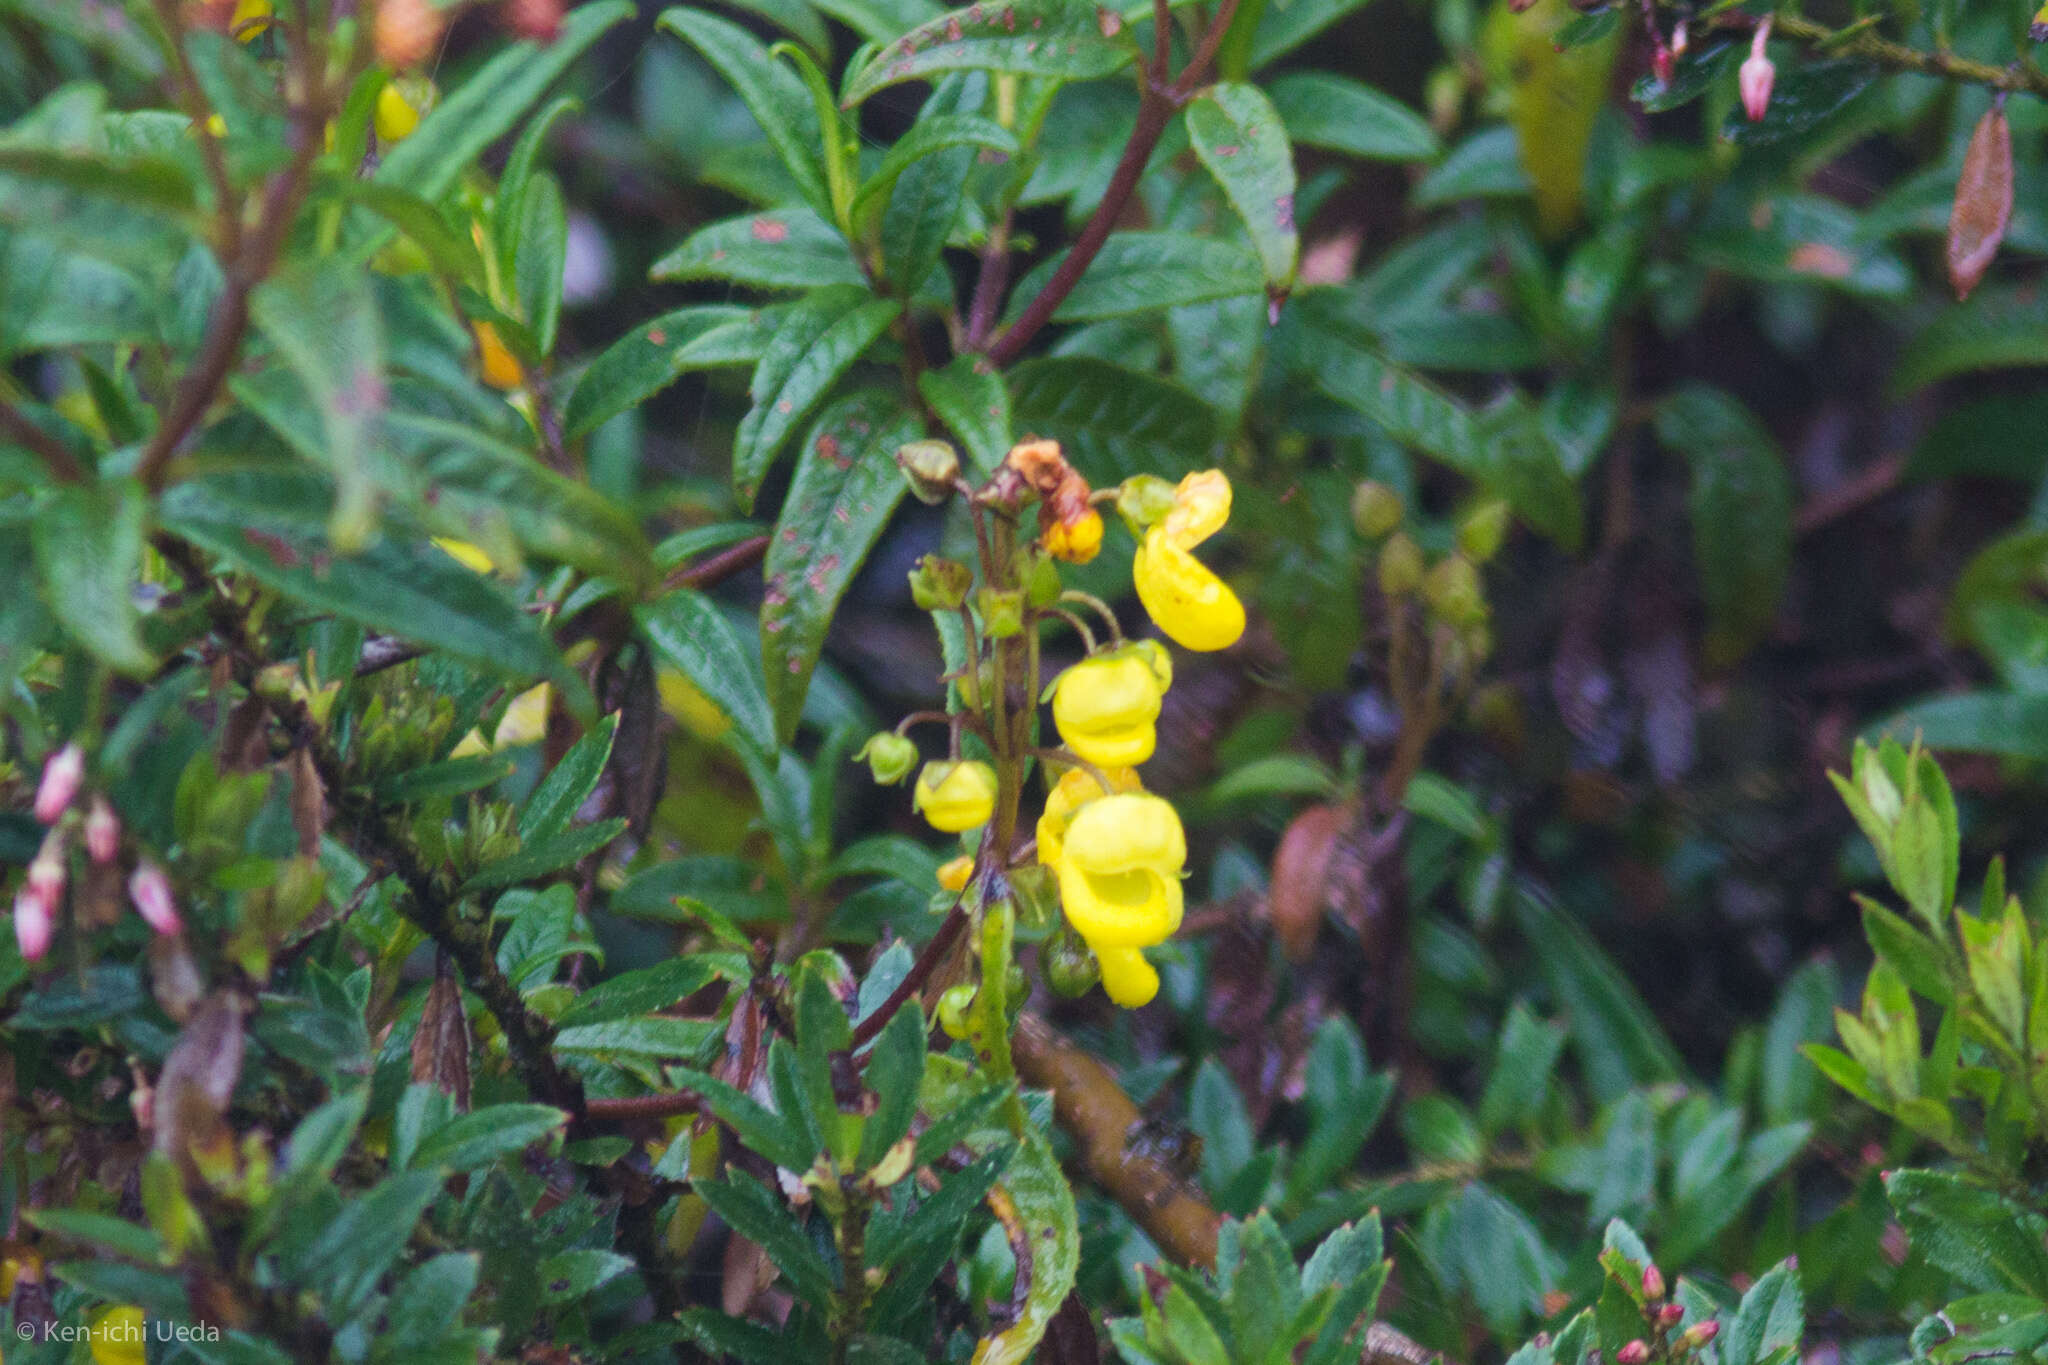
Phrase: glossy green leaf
(845, 489)
(2001, 327)
(2010, 723)
(655, 354)
(932, 133)
(1805, 96)
(1045, 1208)
(537, 260)
(475, 1140)
(88, 554)
(1977, 1235)
(542, 856)
(782, 248)
(691, 634)
(1772, 1316)
(569, 783)
(970, 397)
(1322, 109)
(1239, 136)
(1617, 1039)
(773, 92)
(1029, 37)
(758, 1215)
(818, 340)
(1143, 272)
(1285, 25)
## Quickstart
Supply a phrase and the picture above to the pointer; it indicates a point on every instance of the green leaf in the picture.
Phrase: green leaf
(819, 340)
(484, 107)
(1980, 1237)
(1741, 505)
(1045, 1209)
(88, 553)
(691, 634)
(656, 1036)
(845, 489)
(428, 1302)
(1029, 37)
(760, 1217)
(1114, 422)
(473, 1141)
(99, 1230)
(1505, 448)
(1771, 1318)
(1322, 109)
(879, 21)
(1617, 1038)
(1344, 1102)
(1286, 24)
(450, 777)
(268, 524)
(1790, 1087)
(1143, 272)
(568, 1276)
(647, 990)
(1239, 136)
(1803, 98)
(321, 1139)
(654, 355)
(784, 248)
(970, 398)
(1529, 1048)
(544, 856)
(563, 791)
(355, 1249)
(2010, 723)
(2000, 327)
(933, 132)
(895, 1069)
(1486, 165)
(760, 1128)
(774, 93)
(1217, 1114)
(508, 206)
(1495, 1253)
(542, 245)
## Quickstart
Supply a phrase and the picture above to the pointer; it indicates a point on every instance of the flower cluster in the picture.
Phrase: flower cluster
(1115, 852)
(42, 891)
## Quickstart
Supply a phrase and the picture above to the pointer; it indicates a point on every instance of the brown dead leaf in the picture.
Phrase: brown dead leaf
(1300, 888)
(1983, 206)
(440, 1050)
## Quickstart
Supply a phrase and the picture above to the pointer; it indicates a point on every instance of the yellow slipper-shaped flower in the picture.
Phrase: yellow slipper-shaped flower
(1106, 707)
(1196, 609)
(1120, 872)
(1074, 790)
(955, 797)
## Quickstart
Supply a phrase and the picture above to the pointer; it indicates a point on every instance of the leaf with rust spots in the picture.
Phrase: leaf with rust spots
(1983, 206)
(845, 489)
(1240, 138)
(1030, 37)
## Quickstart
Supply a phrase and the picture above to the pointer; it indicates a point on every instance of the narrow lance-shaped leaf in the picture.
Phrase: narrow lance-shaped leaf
(653, 355)
(691, 634)
(1064, 38)
(817, 342)
(88, 551)
(787, 248)
(1983, 204)
(845, 489)
(773, 93)
(1239, 136)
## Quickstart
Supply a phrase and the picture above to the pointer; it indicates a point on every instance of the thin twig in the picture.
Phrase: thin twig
(1898, 57)
(950, 930)
(715, 569)
(226, 208)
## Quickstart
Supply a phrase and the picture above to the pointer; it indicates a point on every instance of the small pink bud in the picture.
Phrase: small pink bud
(150, 889)
(1653, 1283)
(33, 923)
(1757, 75)
(1661, 63)
(61, 776)
(1668, 1315)
(102, 831)
(1635, 1353)
(47, 871)
(1680, 40)
(1700, 1333)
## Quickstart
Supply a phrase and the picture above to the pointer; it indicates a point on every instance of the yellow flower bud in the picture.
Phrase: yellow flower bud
(250, 20)
(397, 116)
(1076, 542)
(495, 361)
(116, 1336)
(1120, 887)
(469, 556)
(954, 875)
(1194, 607)
(1106, 706)
(1075, 789)
(955, 797)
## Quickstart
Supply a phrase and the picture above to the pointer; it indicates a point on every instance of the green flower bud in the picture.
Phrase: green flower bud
(891, 758)
(940, 584)
(1453, 592)
(953, 1007)
(1002, 611)
(930, 467)
(1142, 500)
(1042, 584)
(1401, 566)
(1482, 530)
(1376, 510)
(1069, 964)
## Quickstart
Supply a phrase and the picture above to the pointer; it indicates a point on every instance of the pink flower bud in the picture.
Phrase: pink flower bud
(1700, 1333)
(1653, 1283)
(1661, 63)
(61, 776)
(1635, 1353)
(33, 923)
(47, 871)
(1757, 75)
(150, 889)
(102, 831)
(1668, 1315)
